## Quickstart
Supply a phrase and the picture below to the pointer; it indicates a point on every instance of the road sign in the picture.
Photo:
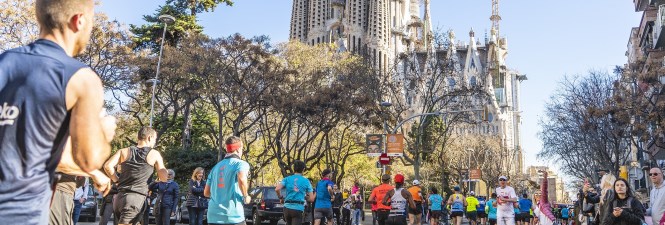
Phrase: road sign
(384, 159)
(374, 144)
(635, 173)
(475, 174)
(395, 145)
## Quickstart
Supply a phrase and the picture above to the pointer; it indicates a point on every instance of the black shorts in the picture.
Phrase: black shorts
(492, 221)
(128, 207)
(518, 216)
(456, 214)
(472, 215)
(323, 212)
(482, 215)
(292, 216)
(418, 210)
(525, 217)
(435, 214)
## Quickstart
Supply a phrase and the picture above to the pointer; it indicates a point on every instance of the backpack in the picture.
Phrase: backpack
(457, 205)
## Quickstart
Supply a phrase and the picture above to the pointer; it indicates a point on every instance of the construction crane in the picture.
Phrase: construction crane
(495, 18)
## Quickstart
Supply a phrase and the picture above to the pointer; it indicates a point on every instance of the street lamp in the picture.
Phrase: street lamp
(166, 19)
(468, 172)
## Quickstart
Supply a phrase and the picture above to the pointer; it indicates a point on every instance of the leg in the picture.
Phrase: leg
(192, 215)
(77, 211)
(61, 208)
(201, 211)
(108, 210)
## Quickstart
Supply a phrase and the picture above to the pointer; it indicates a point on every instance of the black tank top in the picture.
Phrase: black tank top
(34, 124)
(135, 171)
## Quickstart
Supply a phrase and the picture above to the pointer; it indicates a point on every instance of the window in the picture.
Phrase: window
(473, 81)
(451, 83)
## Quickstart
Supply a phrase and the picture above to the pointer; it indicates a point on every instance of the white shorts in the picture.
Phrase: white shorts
(503, 220)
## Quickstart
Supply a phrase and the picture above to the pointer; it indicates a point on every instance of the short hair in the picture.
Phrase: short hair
(493, 195)
(55, 14)
(196, 171)
(146, 132)
(232, 140)
(525, 195)
(434, 190)
(326, 172)
(298, 166)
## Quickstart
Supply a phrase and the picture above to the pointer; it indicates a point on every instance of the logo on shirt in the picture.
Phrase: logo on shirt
(8, 113)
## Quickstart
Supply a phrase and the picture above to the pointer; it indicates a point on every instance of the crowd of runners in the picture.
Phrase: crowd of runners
(53, 133)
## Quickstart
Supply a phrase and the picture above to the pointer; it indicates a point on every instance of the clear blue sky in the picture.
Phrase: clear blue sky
(547, 39)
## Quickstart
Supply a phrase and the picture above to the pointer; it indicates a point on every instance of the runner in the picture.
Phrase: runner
(376, 197)
(416, 193)
(490, 209)
(136, 165)
(435, 202)
(482, 216)
(471, 208)
(297, 188)
(543, 211)
(324, 198)
(46, 96)
(457, 203)
(398, 198)
(525, 206)
(506, 197)
(227, 186)
(565, 212)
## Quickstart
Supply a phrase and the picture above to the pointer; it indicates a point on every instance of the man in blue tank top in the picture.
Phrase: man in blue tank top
(296, 187)
(46, 97)
(227, 186)
(324, 198)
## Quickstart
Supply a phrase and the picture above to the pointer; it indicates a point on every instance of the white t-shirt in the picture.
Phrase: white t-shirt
(505, 209)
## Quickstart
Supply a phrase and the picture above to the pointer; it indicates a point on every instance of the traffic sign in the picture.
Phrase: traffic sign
(384, 159)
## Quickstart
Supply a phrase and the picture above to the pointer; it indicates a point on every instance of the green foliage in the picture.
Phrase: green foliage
(198, 6)
(149, 35)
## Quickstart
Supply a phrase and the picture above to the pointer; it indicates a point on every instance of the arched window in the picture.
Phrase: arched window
(473, 81)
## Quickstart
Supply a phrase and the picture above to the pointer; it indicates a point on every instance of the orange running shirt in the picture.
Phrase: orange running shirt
(380, 192)
(415, 193)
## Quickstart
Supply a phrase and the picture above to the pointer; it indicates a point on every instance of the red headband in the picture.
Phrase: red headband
(233, 147)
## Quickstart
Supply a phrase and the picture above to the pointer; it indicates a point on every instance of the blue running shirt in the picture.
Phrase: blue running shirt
(296, 186)
(322, 194)
(226, 202)
(436, 201)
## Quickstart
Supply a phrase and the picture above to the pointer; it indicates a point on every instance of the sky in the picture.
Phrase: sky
(547, 40)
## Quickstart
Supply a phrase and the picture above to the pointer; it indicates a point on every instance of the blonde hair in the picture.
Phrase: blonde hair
(197, 170)
(606, 183)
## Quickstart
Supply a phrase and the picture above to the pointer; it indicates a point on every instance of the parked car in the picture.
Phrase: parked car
(89, 208)
(265, 205)
(183, 213)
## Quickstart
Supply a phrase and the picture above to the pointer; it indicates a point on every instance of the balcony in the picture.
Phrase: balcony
(658, 37)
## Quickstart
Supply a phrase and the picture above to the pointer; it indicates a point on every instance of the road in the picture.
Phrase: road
(366, 222)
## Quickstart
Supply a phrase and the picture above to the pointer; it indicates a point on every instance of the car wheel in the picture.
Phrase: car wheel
(256, 220)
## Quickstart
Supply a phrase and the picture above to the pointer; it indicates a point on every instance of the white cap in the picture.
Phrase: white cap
(472, 193)
(503, 177)
(416, 182)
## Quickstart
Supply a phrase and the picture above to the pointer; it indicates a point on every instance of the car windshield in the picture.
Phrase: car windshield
(270, 193)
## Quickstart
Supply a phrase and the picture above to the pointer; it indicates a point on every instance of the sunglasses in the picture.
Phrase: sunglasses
(653, 174)
(502, 179)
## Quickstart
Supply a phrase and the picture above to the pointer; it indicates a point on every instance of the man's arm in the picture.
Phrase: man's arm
(278, 189)
(206, 191)
(91, 135)
(387, 197)
(158, 160)
(110, 164)
(409, 198)
(372, 198)
(312, 197)
(68, 166)
(244, 185)
(331, 192)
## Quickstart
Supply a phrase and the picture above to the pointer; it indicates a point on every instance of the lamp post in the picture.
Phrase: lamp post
(166, 19)
(468, 173)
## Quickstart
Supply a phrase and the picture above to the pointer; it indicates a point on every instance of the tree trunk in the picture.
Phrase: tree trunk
(187, 121)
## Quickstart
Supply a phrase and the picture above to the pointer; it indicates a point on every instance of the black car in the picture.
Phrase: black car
(265, 205)
(89, 208)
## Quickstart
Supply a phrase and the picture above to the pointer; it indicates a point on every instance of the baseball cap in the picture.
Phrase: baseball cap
(503, 177)
(385, 177)
(472, 193)
(399, 178)
(416, 182)
(456, 188)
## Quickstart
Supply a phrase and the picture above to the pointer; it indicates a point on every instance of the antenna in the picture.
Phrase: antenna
(495, 18)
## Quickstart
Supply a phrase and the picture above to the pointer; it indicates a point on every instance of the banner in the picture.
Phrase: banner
(475, 174)
(374, 144)
(395, 144)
